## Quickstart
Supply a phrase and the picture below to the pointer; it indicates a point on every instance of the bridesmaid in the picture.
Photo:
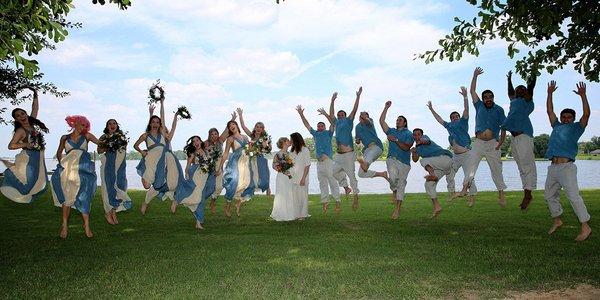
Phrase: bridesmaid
(214, 149)
(199, 183)
(26, 178)
(74, 179)
(237, 179)
(159, 168)
(113, 172)
(260, 165)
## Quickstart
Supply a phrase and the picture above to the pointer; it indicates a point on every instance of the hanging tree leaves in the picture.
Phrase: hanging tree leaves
(555, 32)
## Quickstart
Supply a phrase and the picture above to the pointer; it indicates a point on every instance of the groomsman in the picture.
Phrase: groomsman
(437, 162)
(488, 138)
(324, 154)
(344, 160)
(519, 125)
(398, 159)
(562, 149)
(372, 146)
(460, 141)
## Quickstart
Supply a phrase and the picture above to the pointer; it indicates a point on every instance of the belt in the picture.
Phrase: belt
(516, 133)
(560, 160)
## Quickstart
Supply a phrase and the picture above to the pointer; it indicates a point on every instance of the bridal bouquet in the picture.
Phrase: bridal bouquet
(283, 162)
(113, 142)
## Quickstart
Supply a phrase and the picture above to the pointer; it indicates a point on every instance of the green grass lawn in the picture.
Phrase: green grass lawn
(484, 250)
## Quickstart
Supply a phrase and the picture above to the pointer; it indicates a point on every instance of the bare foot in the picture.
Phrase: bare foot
(199, 225)
(63, 232)
(325, 207)
(471, 201)
(114, 217)
(396, 214)
(355, 203)
(585, 232)
(88, 232)
(501, 199)
(144, 208)
(228, 210)
(173, 207)
(557, 223)
(338, 207)
(269, 192)
(436, 212)
(213, 207)
(109, 219)
(238, 207)
(527, 197)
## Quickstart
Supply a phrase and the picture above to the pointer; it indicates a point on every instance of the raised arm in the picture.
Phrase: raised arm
(225, 133)
(584, 101)
(531, 86)
(243, 124)
(356, 101)
(382, 122)
(151, 108)
(331, 105)
(549, 103)
(478, 71)
(300, 111)
(162, 112)
(171, 134)
(434, 113)
(463, 92)
(511, 89)
(35, 106)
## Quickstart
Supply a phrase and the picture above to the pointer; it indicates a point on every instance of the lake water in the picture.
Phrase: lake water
(588, 175)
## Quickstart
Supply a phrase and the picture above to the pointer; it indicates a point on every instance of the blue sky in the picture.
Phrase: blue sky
(214, 56)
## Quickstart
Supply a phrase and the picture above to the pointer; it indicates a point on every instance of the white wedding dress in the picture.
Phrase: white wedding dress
(300, 193)
(283, 205)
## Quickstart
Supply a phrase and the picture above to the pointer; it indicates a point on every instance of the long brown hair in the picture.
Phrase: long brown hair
(297, 142)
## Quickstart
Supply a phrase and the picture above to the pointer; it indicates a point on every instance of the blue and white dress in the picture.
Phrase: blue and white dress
(74, 179)
(238, 178)
(261, 164)
(214, 151)
(160, 168)
(200, 185)
(114, 181)
(26, 179)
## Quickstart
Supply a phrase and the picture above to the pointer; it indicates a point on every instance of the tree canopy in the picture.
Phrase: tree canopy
(555, 33)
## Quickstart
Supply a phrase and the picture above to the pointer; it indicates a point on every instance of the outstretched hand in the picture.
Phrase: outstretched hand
(359, 92)
(151, 108)
(299, 109)
(388, 104)
(463, 91)
(552, 87)
(580, 89)
(322, 111)
(429, 105)
(239, 111)
(509, 75)
(233, 116)
(334, 96)
(478, 71)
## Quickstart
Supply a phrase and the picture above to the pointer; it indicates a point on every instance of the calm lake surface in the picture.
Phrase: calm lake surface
(588, 175)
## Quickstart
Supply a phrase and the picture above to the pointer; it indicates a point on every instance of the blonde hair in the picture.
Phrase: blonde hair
(280, 142)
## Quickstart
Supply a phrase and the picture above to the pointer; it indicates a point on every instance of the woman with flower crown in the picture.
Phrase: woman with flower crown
(26, 177)
(283, 204)
(112, 148)
(262, 142)
(159, 168)
(237, 178)
(74, 179)
(199, 183)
